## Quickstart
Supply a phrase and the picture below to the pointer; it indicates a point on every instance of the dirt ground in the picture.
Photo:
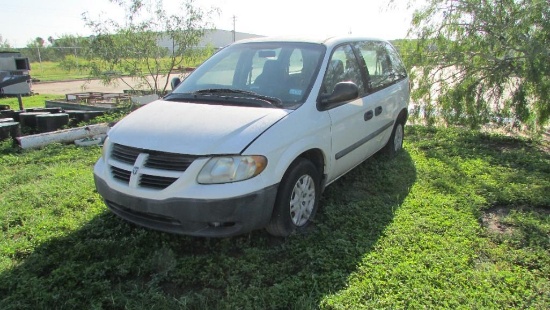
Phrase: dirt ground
(62, 88)
(78, 86)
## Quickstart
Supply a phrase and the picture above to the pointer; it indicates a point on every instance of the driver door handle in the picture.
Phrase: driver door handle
(368, 115)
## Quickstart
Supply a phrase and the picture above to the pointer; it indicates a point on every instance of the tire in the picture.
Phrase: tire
(297, 199)
(395, 144)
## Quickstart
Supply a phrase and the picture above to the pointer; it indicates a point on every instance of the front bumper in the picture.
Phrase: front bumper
(196, 217)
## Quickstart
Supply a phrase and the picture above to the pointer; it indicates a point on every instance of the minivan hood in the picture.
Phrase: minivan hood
(194, 129)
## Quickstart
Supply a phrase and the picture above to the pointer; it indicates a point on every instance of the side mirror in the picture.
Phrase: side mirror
(343, 91)
(175, 82)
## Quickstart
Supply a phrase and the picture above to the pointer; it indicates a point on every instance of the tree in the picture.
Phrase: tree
(133, 46)
(481, 61)
(39, 42)
(36, 51)
(4, 44)
(67, 49)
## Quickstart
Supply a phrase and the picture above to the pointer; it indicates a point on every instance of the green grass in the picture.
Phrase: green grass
(48, 71)
(34, 101)
(458, 220)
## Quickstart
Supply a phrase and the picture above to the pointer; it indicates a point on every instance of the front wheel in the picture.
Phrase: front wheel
(297, 199)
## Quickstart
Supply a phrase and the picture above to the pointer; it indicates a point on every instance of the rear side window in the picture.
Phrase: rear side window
(382, 63)
(397, 64)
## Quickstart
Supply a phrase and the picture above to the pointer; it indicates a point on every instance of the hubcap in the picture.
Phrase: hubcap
(302, 200)
(398, 138)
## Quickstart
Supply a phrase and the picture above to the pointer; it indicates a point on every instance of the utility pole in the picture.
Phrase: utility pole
(234, 18)
(39, 58)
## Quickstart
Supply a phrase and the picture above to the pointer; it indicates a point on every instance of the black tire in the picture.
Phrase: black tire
(300, 183)
(395, 143)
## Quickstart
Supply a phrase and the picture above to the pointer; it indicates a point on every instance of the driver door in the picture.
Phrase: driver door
(352, 123)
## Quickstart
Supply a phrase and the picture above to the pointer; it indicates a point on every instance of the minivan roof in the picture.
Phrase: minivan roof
(311, 39)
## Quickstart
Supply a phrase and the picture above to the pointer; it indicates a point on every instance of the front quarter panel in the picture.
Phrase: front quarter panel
(304, 129)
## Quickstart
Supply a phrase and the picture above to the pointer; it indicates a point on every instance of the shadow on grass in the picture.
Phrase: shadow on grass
(110, 264)
(521, 154)
(485, 162)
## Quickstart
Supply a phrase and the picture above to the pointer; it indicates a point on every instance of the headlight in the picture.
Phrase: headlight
(229, 169)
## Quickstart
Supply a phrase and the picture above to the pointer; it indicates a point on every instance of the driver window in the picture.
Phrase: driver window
(342, 67)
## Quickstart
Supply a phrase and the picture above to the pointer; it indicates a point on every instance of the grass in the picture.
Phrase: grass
(48, 71)
(459, 219)
(34, 101)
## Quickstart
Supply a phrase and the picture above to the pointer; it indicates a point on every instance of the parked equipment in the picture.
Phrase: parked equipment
(15, 78)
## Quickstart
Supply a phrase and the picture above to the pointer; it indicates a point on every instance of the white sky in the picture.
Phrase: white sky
(23, 20)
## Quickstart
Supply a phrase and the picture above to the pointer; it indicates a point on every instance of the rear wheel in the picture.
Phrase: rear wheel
(395, 144)
(297, 199)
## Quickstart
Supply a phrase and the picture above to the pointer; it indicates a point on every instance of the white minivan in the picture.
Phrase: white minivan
(250, 139)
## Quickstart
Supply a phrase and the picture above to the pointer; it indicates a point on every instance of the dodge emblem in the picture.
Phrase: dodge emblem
(134, 172)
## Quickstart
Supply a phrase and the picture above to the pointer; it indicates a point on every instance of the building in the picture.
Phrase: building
(215, 38)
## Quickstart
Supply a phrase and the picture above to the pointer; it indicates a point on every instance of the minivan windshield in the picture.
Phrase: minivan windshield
(265, 74)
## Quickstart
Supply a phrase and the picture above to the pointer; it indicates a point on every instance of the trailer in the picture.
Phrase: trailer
(15, 78)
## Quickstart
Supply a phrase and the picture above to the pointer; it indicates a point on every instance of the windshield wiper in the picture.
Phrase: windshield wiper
(220, 91)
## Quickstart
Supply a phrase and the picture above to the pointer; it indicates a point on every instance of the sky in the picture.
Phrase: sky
(24, 20)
